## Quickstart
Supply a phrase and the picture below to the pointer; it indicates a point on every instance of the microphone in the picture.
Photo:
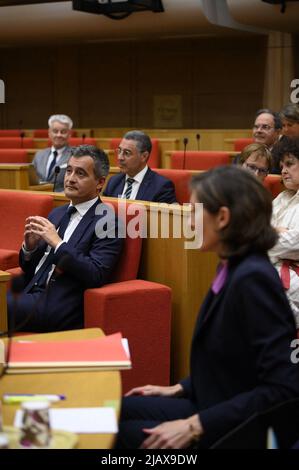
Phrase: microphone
(198, 139)
(22, 135)
(56, 173)
(185, 142)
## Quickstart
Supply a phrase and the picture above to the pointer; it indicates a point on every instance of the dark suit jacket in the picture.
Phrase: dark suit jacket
(88, 262)
(40, 162)
(240, 357)
(154, 187)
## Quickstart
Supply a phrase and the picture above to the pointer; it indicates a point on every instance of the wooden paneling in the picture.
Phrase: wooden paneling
(220, 82)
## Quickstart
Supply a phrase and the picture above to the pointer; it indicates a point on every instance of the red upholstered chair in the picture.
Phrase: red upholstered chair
(154, 159)
(13, 156)
(274, 184)
(198, 160)
(44, 133)
(240, 144)
(10, 133)
(181, 180)
(15, 207)
(16, 143)
(141, 310)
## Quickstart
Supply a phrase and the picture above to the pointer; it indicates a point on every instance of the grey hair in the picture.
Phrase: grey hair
(143, 141)
(61, 118)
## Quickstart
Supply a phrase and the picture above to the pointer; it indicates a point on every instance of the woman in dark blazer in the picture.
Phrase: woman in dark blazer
(240, 357)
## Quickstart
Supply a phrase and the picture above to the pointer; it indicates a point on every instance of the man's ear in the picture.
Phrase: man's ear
(101, 183)
(145, 156)
(223, 217)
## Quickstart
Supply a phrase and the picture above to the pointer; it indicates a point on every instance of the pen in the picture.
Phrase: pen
(14, 398)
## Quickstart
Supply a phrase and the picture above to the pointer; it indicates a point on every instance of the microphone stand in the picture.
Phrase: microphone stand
(56, 173)
(185, 142)
(198, 139)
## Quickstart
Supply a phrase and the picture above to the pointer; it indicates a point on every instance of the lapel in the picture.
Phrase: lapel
(44, 162)
(212, 302)
(80, 230)
(141, 194)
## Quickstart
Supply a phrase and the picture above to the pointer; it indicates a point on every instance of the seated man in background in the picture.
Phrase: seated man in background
(257, 159)
(266, 129)
(68, 252)
(57, 155)
(137, 180)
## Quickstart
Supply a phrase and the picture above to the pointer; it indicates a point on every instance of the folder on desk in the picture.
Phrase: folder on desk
(105, 353)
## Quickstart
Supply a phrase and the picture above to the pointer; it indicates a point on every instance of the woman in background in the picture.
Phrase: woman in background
(257, 159)
(285, 254)
(240, 356)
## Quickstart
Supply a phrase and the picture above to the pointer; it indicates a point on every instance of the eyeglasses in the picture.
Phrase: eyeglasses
(255, 169)
(125, 152)
(263, 127)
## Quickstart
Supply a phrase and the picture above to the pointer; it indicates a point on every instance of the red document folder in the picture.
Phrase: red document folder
(106, 352)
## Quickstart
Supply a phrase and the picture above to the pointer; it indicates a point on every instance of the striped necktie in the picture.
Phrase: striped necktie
(128, 191)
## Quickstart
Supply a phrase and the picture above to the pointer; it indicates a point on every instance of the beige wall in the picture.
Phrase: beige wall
(220, 81)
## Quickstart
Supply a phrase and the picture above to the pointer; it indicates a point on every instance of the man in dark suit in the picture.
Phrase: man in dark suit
(137, 180)
(69, 252)
(57, 155)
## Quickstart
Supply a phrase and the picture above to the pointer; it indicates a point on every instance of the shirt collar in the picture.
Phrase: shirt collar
(83, 207)
(59, 151)
(139, 177)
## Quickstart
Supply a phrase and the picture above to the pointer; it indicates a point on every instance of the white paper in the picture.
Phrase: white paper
(125, 344)
(79, 420)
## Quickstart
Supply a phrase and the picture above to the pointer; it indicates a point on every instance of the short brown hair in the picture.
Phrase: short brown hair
(250, 206)
(263, 152)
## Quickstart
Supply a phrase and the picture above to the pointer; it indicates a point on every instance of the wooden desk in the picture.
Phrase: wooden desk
(14, 176)
(82, 389)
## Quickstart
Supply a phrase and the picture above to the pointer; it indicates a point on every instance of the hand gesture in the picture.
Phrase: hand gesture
(43, 228)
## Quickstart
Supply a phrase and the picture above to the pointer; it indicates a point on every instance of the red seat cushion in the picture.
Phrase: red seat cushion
(8, 259)
(240, 144)
(274, 184)
(16, 143)
(181, 181)
(13, 156)
(198, 160)
(10, 133)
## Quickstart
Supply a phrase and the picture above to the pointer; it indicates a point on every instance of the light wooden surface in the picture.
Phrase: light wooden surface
(14, 176)
(82, 389)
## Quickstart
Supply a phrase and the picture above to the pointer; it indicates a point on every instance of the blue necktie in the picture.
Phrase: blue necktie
(128, 191)
(53, 164)
(42, 274)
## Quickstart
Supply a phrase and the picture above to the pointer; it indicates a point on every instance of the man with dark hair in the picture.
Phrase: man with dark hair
(290, 120)
(267, 127)
(58, 154)
(65, 254)
(137, 180)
